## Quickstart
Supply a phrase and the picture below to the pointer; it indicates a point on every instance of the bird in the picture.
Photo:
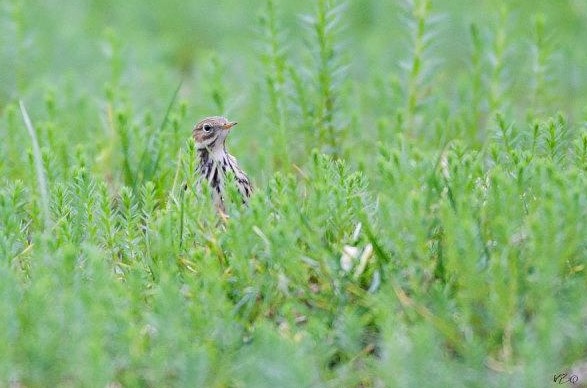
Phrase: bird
(214, 161)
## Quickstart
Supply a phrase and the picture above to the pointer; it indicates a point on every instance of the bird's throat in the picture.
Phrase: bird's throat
(215, 154)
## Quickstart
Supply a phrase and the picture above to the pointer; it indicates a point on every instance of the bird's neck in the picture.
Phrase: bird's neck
(216, 154)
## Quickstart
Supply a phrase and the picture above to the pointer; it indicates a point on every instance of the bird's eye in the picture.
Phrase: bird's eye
(207, 128)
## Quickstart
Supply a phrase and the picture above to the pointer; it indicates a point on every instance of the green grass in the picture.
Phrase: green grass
(445, 141)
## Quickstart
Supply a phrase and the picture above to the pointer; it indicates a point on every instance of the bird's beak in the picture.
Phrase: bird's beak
(230, 125)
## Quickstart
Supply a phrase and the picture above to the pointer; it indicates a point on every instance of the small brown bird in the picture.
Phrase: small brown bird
(214, 162)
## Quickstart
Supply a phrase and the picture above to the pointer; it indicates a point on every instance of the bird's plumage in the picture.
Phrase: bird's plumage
(214, 162)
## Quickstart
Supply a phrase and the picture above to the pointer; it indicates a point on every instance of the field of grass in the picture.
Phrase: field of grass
(441, 144)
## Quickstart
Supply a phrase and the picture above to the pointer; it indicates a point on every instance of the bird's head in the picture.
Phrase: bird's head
(211, 132)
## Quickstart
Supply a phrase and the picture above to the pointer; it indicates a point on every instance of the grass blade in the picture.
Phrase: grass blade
(39, 169)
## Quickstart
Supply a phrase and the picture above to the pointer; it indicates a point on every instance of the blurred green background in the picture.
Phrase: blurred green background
(76, 52)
